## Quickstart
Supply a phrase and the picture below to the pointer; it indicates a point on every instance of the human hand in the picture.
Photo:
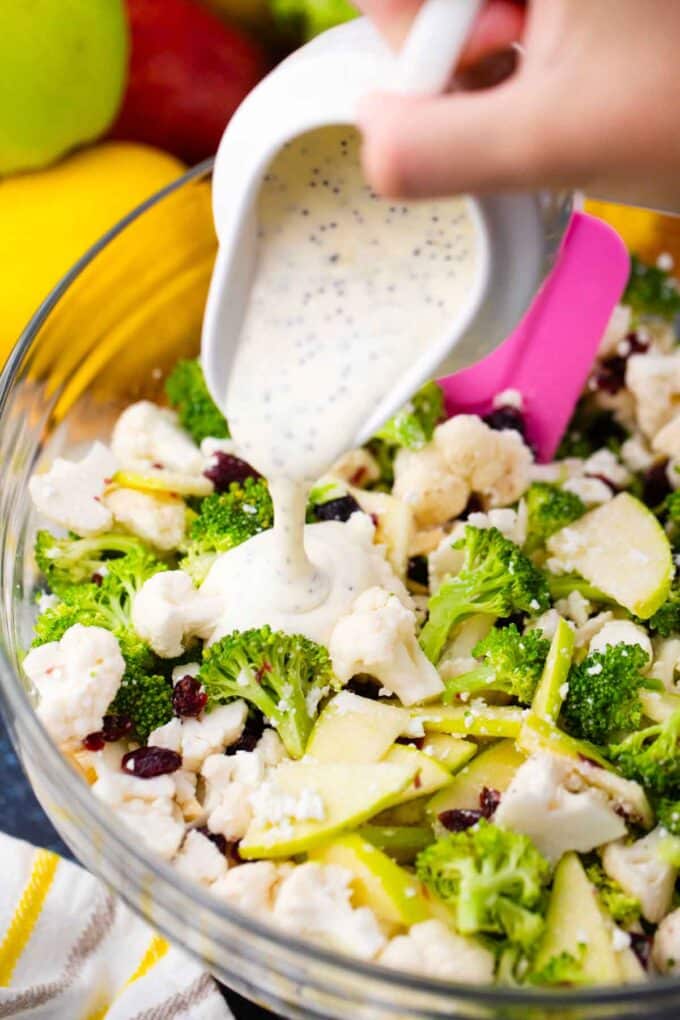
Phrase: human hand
(593, 105)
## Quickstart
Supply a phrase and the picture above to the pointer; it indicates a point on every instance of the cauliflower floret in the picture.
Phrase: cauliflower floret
(358, 467)
(511, 523)
(379, 637)
(666, 948)
(424, 481)
(200, 859)
(147, 436)
(593, 491)
(168, 736)
(230, 782)
(617, 330)
(431, 949)
(621, 632)
(445, 560)
(186, 787)
(70, 493)
(636, 455)
(157, 520)
(654, 381)
(168, 610)
(159, 824)
(666, 662)
(210, 447)
(493, 464)
(605, 463)
(575, 608)
(548, 801)
(667, 441)
(586, 632)
(76, 680)
(252, 887)
(642, 873)
(212, 733)
(314, 901)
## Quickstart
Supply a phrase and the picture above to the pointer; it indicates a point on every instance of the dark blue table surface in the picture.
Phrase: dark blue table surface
(22, 816)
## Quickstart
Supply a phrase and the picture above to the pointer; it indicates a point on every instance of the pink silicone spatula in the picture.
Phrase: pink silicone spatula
(550, 354)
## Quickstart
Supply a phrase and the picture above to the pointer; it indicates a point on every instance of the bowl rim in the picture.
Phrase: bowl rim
(14, 701)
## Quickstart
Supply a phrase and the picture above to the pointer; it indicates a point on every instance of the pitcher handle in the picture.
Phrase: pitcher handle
(431, 51)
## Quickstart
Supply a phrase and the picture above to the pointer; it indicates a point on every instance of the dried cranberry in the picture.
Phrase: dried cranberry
(116, 727)
(149, 762)
(97, 579)
(635, 345)
(233, 853)
(459, 819)
(507, 417)
(340, 509)
(473, 506)
(610, 377)
(364, 688)
(226, 469)
(215, 837)
(655, 484)
(488, 801)
(641, 944)
(411, 741)
(418, 570)
(252, 731)
(94, 742)
(188, 700)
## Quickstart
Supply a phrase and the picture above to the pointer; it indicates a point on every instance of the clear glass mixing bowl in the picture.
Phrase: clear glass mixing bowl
(105, 337)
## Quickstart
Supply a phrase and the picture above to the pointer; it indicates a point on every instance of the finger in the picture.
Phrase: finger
(415, 148)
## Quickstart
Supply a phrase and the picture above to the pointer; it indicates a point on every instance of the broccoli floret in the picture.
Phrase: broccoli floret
(513, 664)
(562, 969)
(667, 810)
(312, 17)
(414, 425)
(493, 879)
(144, 696)
(284, 676)
(651, 291)
(666, 620)
(226, 520)
(550, 508)
(589, 430)
(71, 561)
(622, 908)
(561, 586)
(496, 579)
(188, 393)
(651, 757)
(603, 699)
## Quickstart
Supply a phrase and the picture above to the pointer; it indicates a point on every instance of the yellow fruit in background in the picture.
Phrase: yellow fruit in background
(647, 233)
(50, 218)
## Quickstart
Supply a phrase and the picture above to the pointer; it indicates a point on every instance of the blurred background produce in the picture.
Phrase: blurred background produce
(162, 78)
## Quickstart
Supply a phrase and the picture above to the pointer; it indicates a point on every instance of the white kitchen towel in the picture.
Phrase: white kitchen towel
(69, 950)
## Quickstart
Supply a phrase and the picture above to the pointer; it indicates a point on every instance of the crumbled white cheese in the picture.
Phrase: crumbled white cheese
(200, 859)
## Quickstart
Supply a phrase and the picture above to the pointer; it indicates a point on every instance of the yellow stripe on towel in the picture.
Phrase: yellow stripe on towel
(154, 952)
(27, 913)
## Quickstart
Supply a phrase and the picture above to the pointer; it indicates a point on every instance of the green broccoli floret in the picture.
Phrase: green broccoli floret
(562, 969)
(549, 508)
(188, 393)
(312, 17)
(666, 620)
(667, 810)
(562, 585)
(144, 696)
(622, 908)
(603, 699)
(651, 757)
(651, 291)
(226, 520)
(69, 561)
(496, 579)
(284, 676)
(513, 664)
(493, 879)
(414, 425)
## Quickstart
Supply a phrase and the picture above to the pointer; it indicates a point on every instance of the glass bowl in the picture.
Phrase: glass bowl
(104, 338)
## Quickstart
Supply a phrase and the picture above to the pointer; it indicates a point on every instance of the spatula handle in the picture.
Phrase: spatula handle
(431, 51)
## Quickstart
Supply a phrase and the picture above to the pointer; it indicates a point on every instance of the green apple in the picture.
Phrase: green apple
(538, 734)
(429, 775)
(493, 768)
(392, 893)
(476, 719)
(621, 548)
(551, 691)
(349, 794)
(356, 729)
(575, 924)
(402, 843)
(63, 68)
(451, 752)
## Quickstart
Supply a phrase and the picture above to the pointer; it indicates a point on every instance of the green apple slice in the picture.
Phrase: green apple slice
(356, 730)
(575, 924)
(621, 548)
(551, 691)
(538, 734)
(451, 752)
(348, 793)
(493, 768)
(402, 843)
(391, 892)
(474, 719)
(429, 775)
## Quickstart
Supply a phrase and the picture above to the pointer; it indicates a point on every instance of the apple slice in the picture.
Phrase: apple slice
(621, 548)
(451, 752)
(474, 719)
(402, 843)
(159, 481)
(391, 892)
(493, 768)
(551, 690)
(347, 795)
(429, 775)
(356, 730)
(575, 924)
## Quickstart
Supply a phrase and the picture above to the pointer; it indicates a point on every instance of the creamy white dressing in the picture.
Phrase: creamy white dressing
(349, 289)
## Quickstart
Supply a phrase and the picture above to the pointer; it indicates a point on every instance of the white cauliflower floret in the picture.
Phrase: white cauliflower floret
(446, 561)
(230, 782)
(424, 481)
(252, 887)
(593, 626)
(168, 736)
(605, 463)
(315, 901)
(617, 330)
(433, 950)
(159, 825)
(511, 523)
(495, 465)
(70, 493)
(666, 662)
(212, 733)
(575, 608)
(147, 436)
(654, 381)
(636, 455)
(379, 638)
(76, 680)
(158, 520)
(358, 467)
(641, 872)
(168, 610)
(548, 801)
(200, 859)
(667, 441)
(621, 632)
(666, 948)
